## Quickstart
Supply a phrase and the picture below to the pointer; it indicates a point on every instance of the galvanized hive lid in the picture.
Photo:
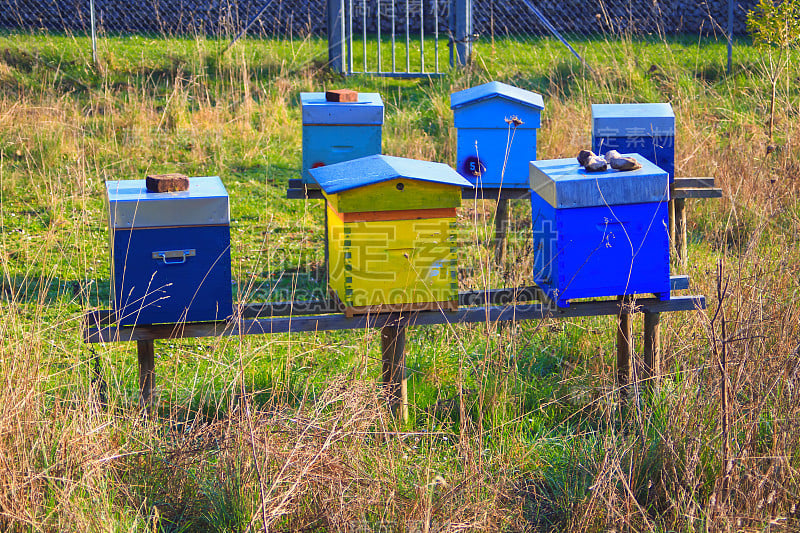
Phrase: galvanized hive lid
(368, 110)
(379, 168)
(563, 183)
(631, 120)
(131, 205)
(496, 89)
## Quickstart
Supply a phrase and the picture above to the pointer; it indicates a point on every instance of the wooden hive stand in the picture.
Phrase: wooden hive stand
(681, 190)
(485, 306)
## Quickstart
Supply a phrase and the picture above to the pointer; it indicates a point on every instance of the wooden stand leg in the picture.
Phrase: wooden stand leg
(500, 225)
(652, 350)
(147, 372)
(624, 352)
(680, 230)
(393, 345)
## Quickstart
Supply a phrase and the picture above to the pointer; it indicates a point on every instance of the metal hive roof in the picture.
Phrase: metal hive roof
(379, 168)
(492, 89)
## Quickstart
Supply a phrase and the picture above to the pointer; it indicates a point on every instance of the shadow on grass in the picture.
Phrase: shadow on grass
(42, 290)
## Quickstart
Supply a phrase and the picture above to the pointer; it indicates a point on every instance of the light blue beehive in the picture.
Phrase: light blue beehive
(482, 116)
(647, 129)
(170, 252)
(599, 233)
(334, 132)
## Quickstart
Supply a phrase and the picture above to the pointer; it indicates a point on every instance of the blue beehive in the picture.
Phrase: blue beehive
(483, 116)
(647, 129)
(339, 131)
(599, 233)
(170, 252)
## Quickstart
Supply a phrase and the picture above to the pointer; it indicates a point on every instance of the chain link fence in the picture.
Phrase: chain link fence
(592, 17)
(568, 20)
(166, 17)
(300, 17)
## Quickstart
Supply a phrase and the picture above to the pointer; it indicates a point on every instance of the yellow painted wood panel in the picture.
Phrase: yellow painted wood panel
(387, 196)
(392, 262)
(335, 252)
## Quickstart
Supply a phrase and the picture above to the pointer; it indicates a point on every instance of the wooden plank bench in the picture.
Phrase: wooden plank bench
(496, 305)
(680, 190)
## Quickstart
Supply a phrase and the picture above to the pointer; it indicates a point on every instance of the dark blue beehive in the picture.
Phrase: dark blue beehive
(647, 129)
(599, 233)
(334, 132)
(170, 252)
(483, 116)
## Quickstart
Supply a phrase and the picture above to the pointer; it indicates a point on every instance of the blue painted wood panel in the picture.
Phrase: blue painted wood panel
(601, 250)
(325, 145)
(630, 119)
(659, 150)
(648, 129)
(482, 156)
(192, 289)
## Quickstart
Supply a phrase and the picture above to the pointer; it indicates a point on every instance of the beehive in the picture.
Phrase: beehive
(339, 131)
(170, 252)
(487, 132)
(648, 129)
(391, 233)
(599, 233)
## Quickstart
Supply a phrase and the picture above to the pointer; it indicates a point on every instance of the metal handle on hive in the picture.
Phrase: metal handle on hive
(179, 256)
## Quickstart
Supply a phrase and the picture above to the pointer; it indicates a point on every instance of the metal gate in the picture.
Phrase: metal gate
(397, 38)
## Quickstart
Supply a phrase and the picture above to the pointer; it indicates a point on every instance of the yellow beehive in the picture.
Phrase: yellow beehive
(391, 233)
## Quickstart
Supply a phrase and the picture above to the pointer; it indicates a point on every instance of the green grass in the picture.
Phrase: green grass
(512, 427)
